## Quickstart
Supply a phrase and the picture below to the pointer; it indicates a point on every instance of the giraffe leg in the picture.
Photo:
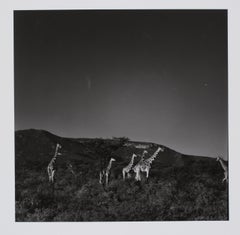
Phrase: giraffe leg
(53, 173)
(147, 173)
(136, 175)
(139, 176)
(106, 179)
(100, 178)
(123, 172)
(51, 178)
(49, 174)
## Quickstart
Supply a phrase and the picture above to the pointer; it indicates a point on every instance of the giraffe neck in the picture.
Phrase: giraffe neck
(56, 152)
(153, 156)
(142, 158)
(109, 166)
(54, 156)
(223, 164)
(131, 162)
(143, 155)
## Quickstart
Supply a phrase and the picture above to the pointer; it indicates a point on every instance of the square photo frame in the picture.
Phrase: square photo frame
(124, 56)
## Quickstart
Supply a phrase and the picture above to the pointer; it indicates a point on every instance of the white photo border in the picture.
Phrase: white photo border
(7, 171)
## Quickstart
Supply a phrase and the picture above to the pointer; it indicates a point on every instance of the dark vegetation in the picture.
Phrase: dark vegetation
(179, 188)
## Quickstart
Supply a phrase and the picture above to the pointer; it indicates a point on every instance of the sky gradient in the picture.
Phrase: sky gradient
(158, 76)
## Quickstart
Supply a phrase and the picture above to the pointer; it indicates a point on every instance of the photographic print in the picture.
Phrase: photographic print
(121, 115)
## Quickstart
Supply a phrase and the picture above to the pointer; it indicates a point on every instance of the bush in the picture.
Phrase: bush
(193, 191)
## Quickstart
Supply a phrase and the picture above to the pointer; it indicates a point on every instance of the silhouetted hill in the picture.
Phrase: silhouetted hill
(186, 174)
(39, 145)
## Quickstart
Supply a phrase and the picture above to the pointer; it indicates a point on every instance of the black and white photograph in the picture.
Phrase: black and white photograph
(121, 115)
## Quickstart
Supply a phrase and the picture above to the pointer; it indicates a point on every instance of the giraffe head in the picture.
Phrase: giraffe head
(145, 152)
(218, 158)
(134, 155)
(112, 160)
(58, 146)
(161, 149)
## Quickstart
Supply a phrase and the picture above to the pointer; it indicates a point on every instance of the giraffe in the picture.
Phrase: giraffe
(225, 168)
(136, 168)
(70, 168)
(51, 166)
(128, 168)
(145, 164)
(106, 172)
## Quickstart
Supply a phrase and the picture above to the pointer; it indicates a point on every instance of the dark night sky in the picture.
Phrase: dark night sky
(158, 76)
